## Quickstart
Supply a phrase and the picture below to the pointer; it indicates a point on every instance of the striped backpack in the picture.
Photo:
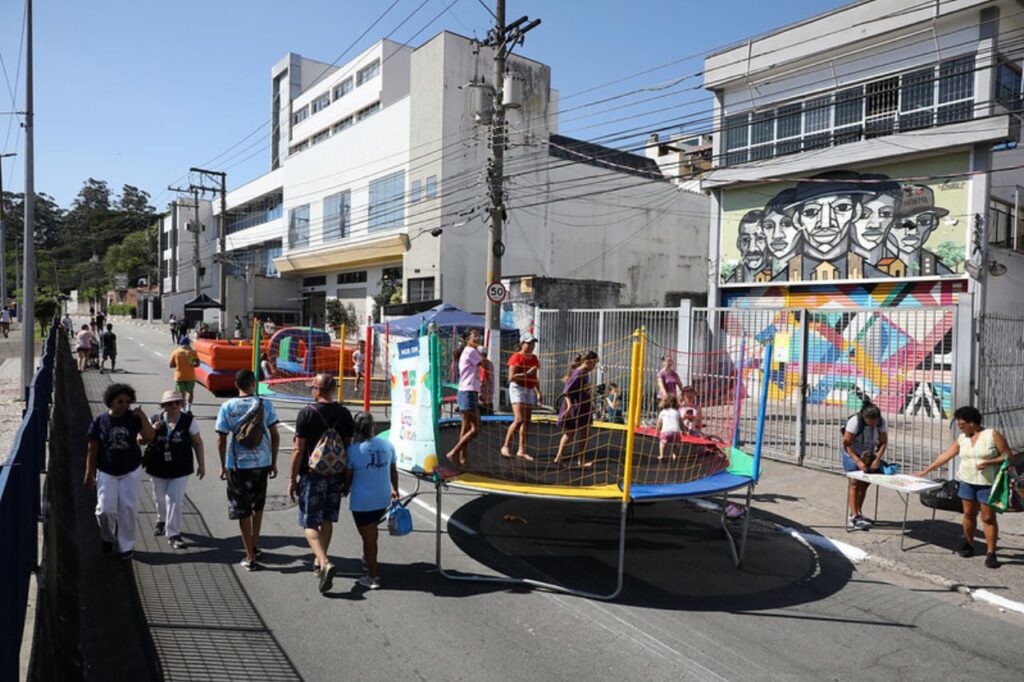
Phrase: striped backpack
(328, 456)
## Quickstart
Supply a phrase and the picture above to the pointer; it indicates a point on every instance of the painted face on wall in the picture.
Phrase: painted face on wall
(782, 235)
(909, 234)
(876, 217)
(826, 220)
(753, 245)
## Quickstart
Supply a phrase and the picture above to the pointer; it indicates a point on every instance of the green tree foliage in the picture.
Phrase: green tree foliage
(951, 254)
(132, 256)
(338, 314)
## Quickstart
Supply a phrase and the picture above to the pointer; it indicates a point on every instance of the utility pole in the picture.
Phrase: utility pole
(27, 309)
(502, 38)
(3, 238)
(222, 179)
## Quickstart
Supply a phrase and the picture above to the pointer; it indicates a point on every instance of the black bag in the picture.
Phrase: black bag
(946, 498)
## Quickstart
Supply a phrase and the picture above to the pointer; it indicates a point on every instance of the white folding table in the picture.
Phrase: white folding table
(905, 485)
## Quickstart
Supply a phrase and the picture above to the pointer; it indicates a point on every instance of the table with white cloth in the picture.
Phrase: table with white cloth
(904, 485)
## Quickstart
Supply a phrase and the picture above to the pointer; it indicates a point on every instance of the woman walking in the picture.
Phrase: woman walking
(524, 393)
(981, 452)
(578, 409)
(168, 462)
(114, 466)
(371, 482)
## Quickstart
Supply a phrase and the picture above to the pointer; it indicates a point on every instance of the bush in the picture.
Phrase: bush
(121, 309)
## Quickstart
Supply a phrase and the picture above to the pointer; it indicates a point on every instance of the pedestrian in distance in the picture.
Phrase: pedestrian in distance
(5, 321)
(577, 410)
(524, 393)
(323, 433)
(468, 397)
(865, 440)
(83, 346)
(371, 482)
(247, 443)
(108, 346)
(113, 466)
(68, 325)
(101, 321)
(184, 361)
(981, 453)
(238, 327)
(169, 462)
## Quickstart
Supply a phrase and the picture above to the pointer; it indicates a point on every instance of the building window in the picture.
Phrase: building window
(254, 213)
(367, 112)
(298, 227)
(321, 102)
(415, 189)
(918, 99)
(342, 124)
(295, 149)
(343, 88)
(387, 202)
(320, 137)
(336, 215)
(315, 281)
(1000, 223)
(357, 277)
(421, 289)
(255, 260)
(300, 115)
(367, 72)
(1008, 86)
(391, 274)
(431, 187)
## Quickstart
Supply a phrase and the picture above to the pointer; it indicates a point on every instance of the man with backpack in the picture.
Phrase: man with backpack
(247, 441)
(323, 432)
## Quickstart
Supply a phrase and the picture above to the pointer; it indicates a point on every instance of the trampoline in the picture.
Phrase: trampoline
(601, 463)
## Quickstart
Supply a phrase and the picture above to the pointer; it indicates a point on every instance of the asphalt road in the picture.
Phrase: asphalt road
(685, 613)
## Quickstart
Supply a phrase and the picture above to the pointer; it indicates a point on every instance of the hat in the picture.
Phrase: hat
(916, 199)
(184, 341)
(321, 380)
(171, 396)
(528, 338)
(828, 184)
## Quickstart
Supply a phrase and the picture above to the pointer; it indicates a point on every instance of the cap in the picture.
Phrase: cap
(171, 397)
(184, 341)
(321, 380)
(528, 338)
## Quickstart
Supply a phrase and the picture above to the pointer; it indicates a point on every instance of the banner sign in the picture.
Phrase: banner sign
(412, 409)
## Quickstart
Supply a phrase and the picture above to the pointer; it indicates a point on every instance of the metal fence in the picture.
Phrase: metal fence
(19, 510)
(1000, 367)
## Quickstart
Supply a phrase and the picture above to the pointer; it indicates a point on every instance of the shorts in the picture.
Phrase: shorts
(468, 401)
(82, 351)
(368, 518)
(112, 354)
(319, 499)
(520, 395)
(670, 437)
(974, 492)
(185, 386)
(247, 491)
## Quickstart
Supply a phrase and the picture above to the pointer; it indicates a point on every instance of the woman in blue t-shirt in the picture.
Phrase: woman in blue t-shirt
(371, 482)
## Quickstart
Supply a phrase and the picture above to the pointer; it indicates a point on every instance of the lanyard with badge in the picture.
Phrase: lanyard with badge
(167, 439)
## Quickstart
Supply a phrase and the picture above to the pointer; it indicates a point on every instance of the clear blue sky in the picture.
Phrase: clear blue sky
(133, 91)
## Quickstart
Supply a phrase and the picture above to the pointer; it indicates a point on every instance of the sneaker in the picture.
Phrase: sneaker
(865, 520)
(159, 529)
(991, 561)
(369, 582)
(966, 549)
(107, 547)
(857, 523)
(127, 555)
(177, 542)
(326, 579)
(250, 565)
(316, 569)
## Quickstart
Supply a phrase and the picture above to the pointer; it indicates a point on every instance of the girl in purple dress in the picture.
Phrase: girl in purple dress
(669, 383)
(578, 407)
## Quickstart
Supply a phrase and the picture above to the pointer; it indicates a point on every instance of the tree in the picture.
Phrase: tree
(388, 291)
(132, 256)
(134, 201)
(951, 254)
(338, 314)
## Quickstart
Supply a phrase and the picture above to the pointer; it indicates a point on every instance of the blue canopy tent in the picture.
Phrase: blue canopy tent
(445, 317)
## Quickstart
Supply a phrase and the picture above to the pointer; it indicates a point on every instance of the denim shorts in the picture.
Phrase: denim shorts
(974, 492)
(520, 395)
(468, 401)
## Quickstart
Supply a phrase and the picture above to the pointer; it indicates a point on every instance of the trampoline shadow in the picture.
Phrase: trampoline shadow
(677, 557)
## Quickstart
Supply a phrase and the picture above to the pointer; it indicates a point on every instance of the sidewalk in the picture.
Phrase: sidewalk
(813, 502)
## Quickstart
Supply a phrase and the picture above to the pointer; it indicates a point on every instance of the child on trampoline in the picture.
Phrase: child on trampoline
(468, 396)
(359, 359)
(578, 407)
(689, 411)
(670, 426)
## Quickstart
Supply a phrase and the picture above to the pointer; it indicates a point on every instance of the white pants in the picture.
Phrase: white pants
(117, 501)
(169, 496)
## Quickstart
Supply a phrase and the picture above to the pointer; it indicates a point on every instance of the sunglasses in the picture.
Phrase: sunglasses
(171, 404)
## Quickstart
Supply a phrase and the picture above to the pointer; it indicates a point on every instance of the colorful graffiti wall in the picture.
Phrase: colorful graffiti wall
(888, 222)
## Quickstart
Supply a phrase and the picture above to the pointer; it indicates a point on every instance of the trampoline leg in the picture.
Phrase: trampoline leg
(437, 529)
(737, 550)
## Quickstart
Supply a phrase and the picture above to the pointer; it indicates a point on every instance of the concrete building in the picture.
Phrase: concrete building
(178, 253)
(378, 179)
(857, 178)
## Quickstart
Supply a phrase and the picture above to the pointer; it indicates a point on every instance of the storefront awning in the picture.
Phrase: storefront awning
(325, 258)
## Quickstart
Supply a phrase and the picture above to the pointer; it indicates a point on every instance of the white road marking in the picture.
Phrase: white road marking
(997, 600)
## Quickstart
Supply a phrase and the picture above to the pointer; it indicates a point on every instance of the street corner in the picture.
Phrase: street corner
(677, 556)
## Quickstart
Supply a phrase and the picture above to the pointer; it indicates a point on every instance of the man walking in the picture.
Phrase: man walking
(172, 322)
(247, 442)
(108, 346)
(326, 428)
(5, 321)
(184, 361)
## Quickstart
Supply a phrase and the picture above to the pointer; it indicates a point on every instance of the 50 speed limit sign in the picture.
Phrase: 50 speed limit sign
(496, 292)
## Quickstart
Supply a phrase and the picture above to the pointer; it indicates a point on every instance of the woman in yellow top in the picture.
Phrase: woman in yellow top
(981, 452)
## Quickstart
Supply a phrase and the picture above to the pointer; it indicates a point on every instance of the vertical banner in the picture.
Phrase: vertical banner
(412, 405)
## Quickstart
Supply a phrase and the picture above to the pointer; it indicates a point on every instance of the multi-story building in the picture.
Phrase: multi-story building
(864, 200)
(181, 249)
(378, 179)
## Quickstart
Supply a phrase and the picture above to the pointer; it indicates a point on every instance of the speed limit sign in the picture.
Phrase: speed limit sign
(496, 292)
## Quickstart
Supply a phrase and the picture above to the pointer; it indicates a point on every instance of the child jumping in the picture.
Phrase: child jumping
(670, 426)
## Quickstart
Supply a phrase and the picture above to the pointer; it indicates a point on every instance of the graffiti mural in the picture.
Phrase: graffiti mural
(908, 221)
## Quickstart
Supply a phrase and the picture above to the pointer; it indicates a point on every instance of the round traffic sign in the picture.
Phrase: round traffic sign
(496, 292)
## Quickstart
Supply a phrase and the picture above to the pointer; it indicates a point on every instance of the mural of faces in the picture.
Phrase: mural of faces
(752, 242)
(872, 227)
(910, 233)
(826, 220)
(783, 236)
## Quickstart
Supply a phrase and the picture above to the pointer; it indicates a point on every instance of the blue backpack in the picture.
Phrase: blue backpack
(399, 520)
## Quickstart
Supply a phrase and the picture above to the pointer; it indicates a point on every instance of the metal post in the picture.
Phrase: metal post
(27, 310)
(801, 415)
(761, 411)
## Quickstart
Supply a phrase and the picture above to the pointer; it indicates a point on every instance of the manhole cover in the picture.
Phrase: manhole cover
(278, 503)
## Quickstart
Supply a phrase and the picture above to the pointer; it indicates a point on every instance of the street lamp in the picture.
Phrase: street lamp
(3, 236)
